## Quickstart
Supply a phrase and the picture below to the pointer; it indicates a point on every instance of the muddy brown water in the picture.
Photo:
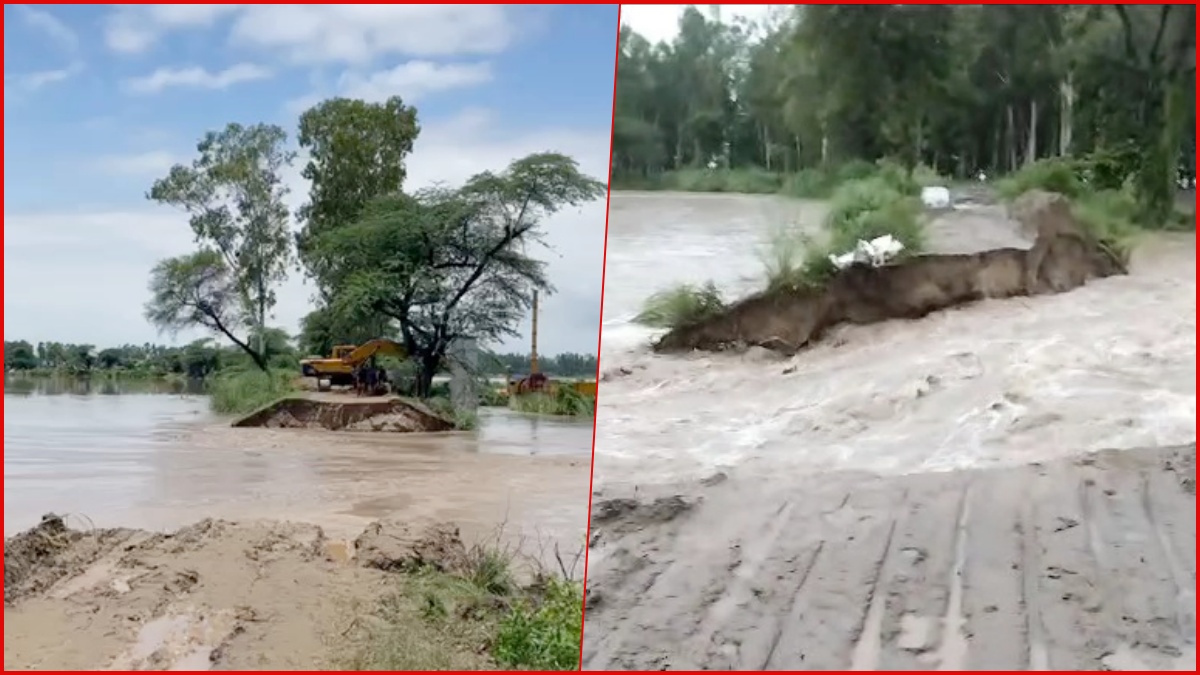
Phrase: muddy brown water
(909, 495)
(120, 456)
(1110, 365)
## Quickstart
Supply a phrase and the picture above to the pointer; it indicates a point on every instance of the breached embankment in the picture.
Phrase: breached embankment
(1064, 256)
(389, 414)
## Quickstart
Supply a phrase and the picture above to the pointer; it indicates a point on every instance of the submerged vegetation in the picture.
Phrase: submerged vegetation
(563, 400)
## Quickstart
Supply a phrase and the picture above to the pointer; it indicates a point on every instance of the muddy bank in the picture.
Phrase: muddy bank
(1085, 563)
(216, 595)
(388, 414)
(1063, 257)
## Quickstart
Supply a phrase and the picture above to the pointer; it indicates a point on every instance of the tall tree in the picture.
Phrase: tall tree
(233, 194)
(356, 153)
(956, 88)
(447, 264)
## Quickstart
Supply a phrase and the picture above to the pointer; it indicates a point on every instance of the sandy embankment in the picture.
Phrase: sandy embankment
(215, 595)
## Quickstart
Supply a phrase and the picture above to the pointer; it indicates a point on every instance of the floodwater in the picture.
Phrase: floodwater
(119, 455)
(1109, 365)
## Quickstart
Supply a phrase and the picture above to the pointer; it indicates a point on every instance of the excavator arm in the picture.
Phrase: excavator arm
(378, 346)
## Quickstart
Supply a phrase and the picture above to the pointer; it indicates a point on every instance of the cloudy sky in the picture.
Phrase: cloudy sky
(101, 100)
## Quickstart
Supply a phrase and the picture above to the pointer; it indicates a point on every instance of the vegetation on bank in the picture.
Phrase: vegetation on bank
(478, 618)
(886, 204)
(777, 105)
(240, 390)
(200, 359)
(563, 401)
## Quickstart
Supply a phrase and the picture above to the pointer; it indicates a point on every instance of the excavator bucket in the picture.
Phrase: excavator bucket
(378, 346)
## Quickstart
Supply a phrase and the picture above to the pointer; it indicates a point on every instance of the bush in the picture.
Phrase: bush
(809, 184)
(566, 401)
(1060, 175)
(242, 391)
(681, 305)
(1110, 216)
(543, 635)
(866, 209)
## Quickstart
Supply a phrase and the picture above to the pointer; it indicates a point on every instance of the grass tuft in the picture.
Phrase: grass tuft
(681, 305)
(243, 391)
(477, 617)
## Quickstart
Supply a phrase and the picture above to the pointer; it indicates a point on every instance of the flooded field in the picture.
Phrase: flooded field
(135, 456)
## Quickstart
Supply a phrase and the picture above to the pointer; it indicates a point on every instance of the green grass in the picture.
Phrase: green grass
(479, 617)
(565, 401)
(240, 391)
(681, 305)
(464, 420)
(543, 634)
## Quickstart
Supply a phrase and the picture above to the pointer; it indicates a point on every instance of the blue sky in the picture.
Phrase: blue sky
(101, 100)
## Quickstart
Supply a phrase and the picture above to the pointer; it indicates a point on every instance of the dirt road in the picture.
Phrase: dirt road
(1085, 563)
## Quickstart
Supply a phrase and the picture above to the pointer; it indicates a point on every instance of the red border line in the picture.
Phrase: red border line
(600, 334)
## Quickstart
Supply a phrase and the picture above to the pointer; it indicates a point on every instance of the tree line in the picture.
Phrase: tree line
(425, 267)
(203, 358)
(958, 89)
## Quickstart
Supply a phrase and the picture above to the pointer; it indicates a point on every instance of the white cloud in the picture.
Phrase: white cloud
(19, 83)
(325, 33)
(102, 257)
(152, 163)
(660, 23)
(197, 78)
(134, 29)
(413, 79)
(51, 26)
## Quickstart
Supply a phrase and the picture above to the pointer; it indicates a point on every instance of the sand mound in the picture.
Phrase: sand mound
(391, 414)
(214, 595)
(1063, 257)
(393, 546)
(36, 559)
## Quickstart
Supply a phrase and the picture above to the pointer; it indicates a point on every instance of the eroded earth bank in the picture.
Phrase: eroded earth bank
(1009, 483)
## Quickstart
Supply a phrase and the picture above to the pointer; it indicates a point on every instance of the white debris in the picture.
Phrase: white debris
(876, 252)
(935, 197)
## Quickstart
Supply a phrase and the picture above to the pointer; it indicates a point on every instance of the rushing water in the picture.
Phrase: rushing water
(134, 455)
(1108, 365)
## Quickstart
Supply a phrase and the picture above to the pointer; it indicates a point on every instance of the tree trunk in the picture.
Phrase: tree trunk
(1066, 118)
(1031, 143)
(1011, 145)
(426, 368)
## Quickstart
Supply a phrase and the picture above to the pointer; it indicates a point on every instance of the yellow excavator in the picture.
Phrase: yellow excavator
(338, 369)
